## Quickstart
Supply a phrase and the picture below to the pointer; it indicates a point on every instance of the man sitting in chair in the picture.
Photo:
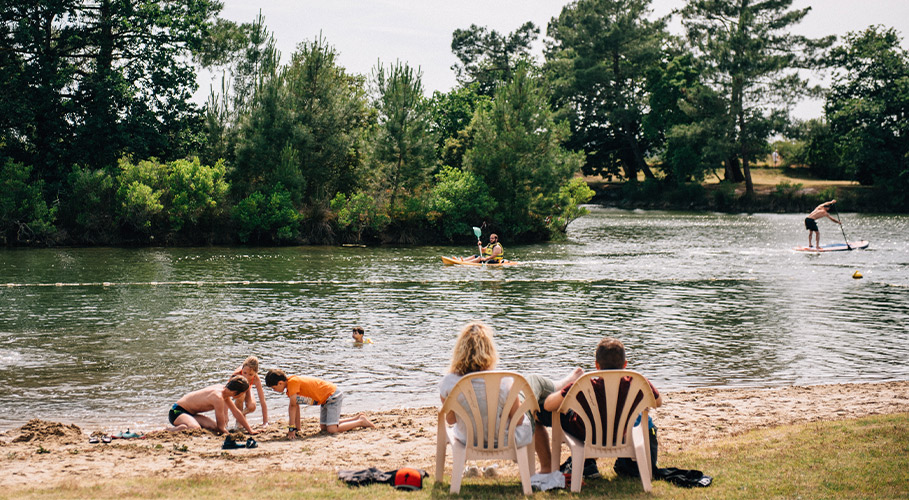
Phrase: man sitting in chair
(610, 355)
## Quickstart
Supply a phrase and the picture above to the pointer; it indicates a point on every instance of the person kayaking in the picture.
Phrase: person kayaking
(819, 212)
(492, 253)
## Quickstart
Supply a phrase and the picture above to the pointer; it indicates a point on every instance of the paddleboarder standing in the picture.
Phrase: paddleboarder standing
(811, 221)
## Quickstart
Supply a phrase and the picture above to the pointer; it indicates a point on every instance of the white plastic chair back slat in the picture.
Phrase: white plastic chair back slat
(608, 416)
(495, 439)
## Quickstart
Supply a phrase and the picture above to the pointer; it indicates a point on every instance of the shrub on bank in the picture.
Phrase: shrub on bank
(89, 212)
(267, 218)
(458, 200)
(24, 215)
(181, 201)
(359, 215)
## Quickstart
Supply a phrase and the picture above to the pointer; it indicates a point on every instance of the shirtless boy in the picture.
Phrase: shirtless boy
(185, 414)
(811, 222)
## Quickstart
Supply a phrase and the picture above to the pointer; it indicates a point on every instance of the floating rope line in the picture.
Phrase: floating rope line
(336, 282)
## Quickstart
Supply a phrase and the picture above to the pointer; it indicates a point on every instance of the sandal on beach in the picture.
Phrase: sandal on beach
(230, 444)
(106, 439)
(128, 435)
(251, 443)
(94, 440)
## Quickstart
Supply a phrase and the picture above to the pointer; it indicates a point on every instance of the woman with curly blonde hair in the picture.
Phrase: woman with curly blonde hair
(475, 351)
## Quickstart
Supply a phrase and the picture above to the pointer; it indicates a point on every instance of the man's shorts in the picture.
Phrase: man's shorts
(542, 387)
(810, 224)
(330, 411)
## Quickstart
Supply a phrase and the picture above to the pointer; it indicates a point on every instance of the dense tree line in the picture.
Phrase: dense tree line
(100, 142)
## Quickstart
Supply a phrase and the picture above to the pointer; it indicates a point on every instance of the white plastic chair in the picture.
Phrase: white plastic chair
(608, 422)
(486, 437)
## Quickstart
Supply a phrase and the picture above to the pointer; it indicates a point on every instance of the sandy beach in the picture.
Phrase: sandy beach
(45, 454)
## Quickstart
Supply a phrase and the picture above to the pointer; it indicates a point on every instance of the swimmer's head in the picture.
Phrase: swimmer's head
(358, 333)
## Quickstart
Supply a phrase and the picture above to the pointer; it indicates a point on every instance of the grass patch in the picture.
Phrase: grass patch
(865, 458)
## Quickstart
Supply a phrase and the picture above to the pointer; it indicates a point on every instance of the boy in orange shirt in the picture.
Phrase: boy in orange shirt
(313, 391)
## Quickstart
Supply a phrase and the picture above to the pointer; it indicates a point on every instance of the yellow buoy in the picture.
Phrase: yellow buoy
(857, 275)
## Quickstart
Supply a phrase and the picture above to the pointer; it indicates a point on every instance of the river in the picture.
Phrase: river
(110, 338)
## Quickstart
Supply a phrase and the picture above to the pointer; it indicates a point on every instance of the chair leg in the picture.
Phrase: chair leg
(531, 458)
(522, 457)
(458, 459)
(577, 469)
(640, 454)
(441, 444)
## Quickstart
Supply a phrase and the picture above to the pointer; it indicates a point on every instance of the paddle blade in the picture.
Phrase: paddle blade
(477, 232)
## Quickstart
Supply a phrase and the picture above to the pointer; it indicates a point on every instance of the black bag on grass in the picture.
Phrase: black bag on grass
(679, 477)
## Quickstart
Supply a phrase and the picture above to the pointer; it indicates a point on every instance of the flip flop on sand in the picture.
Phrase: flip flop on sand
(251, 443)
(106, 439)
(94, 440)
(128, 435)
(230, 444)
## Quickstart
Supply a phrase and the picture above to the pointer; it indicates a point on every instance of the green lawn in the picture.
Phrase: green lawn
(866, 458)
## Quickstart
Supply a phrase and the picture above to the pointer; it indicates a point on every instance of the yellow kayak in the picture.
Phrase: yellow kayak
(457, 261)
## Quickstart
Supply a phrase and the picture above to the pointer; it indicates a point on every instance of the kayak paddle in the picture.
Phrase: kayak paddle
(477, 232)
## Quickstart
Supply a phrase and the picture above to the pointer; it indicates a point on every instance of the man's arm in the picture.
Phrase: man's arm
(241, 418)
(553, 401)
(831, 218)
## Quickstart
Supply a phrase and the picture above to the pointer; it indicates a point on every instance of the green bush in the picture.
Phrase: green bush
(358, 214)
(572, 195)
(408, 220)
(786, 196)
(140, 191)
(180, 198)
(690, 193)
(271, 218)
(24, 215)
(90, 208)
(649, 190)
(197, 194)
(458, 201)
(724, 196)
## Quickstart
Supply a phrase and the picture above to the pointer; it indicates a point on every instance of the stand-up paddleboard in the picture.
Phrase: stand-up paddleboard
(835, 247)
(456, 261)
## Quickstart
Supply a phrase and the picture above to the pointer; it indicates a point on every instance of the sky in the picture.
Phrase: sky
(418, 32)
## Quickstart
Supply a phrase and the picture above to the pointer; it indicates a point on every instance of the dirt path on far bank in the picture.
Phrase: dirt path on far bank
(43, 454)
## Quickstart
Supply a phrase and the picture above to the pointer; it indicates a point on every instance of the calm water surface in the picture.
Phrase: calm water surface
(112, 337)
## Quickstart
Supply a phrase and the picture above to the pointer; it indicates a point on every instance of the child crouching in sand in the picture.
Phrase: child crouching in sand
(245, 402)
(185, 414)
(313, 391)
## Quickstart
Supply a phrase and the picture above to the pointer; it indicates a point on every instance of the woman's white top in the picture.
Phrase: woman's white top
(524, 432)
